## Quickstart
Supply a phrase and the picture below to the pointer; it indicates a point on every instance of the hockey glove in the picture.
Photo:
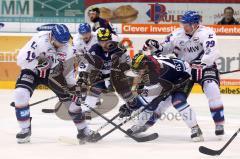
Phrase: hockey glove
(42, 67)
(197, 70)
(124, 111)
(153, 46)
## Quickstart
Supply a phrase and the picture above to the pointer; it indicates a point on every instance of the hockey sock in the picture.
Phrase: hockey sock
(23, 117)
(212, 92)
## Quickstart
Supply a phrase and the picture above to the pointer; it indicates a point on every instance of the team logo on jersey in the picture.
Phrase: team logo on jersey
(181, 43)
(196, 39)
(193, 49)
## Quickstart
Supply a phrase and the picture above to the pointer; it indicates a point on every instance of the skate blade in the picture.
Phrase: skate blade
(198, 139)
(23, 141)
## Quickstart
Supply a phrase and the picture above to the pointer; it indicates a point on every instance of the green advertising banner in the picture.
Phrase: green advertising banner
(42, 11)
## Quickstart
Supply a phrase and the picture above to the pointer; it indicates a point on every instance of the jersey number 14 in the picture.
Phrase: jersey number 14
(30, 54)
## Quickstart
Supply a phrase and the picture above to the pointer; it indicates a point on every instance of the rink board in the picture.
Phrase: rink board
(228, 45)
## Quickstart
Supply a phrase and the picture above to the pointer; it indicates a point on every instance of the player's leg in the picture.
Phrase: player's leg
(179, 101)
(210, 86)
(94, 95)
(76, 109)
(212, 92)
(148, 118)
(79, 119)
(25, 85)
(84, 75)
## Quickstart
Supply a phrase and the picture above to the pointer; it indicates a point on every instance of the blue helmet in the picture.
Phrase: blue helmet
(61, 33)
(84, 28)
(191, 17)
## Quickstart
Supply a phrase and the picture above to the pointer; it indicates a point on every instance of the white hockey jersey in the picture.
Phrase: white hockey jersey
(80, 46)
(202, 45)
(40, 46)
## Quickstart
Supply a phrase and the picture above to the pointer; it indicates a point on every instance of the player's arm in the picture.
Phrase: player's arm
(120, 59)
(95, 64)
(211, 52)
(110, 27)
(157, 48)
(77, 46)
(206, 63)
(31, 55)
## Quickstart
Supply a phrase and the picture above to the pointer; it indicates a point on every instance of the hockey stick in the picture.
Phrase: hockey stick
(222, 73)
(107, 123)
(157, 100)
(41, 101)
(211, 152)
(46, 110)
(138, 139)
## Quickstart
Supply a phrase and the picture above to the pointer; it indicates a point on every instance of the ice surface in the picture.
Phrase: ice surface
(173, 142)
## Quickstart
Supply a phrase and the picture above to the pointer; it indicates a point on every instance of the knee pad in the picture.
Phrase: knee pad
(21, 97)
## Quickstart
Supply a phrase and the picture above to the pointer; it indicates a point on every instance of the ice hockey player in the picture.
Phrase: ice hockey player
(82, 43)
(167, 77)
(41, 59)
(197, 45)
(94, 16)
(84, 40)
(107, 59)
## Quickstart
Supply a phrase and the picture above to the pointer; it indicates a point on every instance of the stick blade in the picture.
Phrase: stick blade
(48, 110)
(208, 151)
(147, 138)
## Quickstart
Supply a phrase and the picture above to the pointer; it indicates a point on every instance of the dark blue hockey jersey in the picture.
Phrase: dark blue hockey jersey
(106, 56)
(102, 23)
(169, 69)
